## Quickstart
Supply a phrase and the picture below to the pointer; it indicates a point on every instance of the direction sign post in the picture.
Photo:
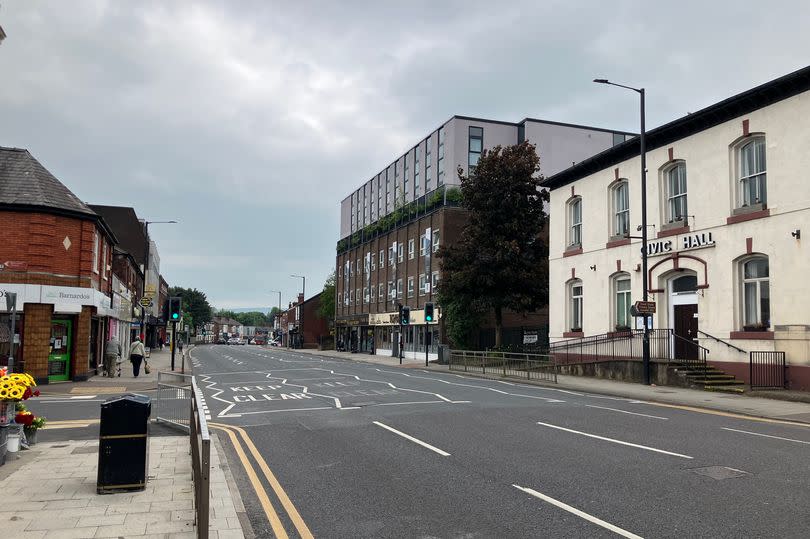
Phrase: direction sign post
(645, 307)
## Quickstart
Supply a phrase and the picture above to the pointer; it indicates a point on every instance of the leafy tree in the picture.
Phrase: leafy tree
(501, 261)
(327, 308)
(252, 318)
(195, 304)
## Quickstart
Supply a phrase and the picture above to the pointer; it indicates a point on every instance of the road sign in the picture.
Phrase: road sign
(146, 302)
(645, 307)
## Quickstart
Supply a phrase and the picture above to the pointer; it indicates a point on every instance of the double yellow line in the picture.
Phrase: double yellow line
(261, 493)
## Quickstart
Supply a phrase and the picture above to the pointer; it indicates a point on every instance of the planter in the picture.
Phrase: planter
(31, 435)
(13, 440)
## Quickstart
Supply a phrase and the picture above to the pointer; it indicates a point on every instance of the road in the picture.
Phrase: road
(351, 449)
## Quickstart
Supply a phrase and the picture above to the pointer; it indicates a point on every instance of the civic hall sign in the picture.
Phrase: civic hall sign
(686, 242)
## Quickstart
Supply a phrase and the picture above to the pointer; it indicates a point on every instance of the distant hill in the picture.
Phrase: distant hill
(265, 310)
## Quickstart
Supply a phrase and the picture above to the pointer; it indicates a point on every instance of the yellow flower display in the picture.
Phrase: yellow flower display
(13, 387)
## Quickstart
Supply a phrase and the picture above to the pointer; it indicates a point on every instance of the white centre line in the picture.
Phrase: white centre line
(626, 412)
(614, 441)
(414, 440)
(581, 514)
(767, 436)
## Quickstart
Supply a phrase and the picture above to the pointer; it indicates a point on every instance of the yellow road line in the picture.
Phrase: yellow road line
(261, 493)
(729, 414)
(297, 521)
(71, 423)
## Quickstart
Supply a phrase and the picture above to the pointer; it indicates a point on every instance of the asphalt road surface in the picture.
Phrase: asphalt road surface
(357, 450)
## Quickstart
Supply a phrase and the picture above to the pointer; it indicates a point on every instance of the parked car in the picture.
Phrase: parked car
(233, 340)
(275, 343)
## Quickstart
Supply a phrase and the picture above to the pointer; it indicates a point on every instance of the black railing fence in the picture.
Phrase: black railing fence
(766, 370)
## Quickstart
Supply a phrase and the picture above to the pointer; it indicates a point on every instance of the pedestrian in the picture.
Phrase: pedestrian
(112, 355)
(180, 345)
(160, 342)
(136, 353)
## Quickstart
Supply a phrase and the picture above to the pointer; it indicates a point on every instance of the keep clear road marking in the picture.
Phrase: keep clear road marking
(414, 440)
(614, 440)
(581, 514)
(763, 435)
(626, 412)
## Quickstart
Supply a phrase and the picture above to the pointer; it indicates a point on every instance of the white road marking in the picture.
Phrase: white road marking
(626, 412)
(614, 440)
(767, 436)
(414, 440)
(581, 514)
(83, 397)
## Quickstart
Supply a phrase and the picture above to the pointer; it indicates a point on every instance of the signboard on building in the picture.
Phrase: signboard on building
(530, 336)
(686, 242)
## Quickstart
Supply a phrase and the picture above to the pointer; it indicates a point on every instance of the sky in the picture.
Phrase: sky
(248, 121)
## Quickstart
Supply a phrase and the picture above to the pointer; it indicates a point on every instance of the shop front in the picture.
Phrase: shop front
(415, 338)
(352, 334)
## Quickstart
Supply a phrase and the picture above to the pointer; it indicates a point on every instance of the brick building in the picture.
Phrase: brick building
(57, 256)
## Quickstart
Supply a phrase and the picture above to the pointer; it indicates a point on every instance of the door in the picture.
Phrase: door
(59, 356)
(686, 326)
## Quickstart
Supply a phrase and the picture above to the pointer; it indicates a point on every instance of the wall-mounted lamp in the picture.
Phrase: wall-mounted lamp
(797, 234)
(593, 268)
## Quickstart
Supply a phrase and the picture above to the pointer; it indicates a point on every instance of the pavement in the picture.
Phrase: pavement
(331, 445)
(783, 405)
(49, 492)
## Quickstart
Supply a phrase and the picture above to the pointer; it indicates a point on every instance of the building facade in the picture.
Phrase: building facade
(392, 226)
(727, 199)
(57, 257)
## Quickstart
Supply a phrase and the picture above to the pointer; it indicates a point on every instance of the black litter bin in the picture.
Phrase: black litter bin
(123, 449)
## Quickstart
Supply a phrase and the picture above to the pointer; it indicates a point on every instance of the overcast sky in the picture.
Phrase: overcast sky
(249, 121)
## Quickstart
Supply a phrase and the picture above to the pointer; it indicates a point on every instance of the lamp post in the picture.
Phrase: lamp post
(146, 270)
(645, 349)
(303, 293)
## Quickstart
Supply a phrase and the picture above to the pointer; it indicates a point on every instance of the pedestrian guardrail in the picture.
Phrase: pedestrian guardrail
(505, 364)
(200, 459)
(766, 370)
(174, 391)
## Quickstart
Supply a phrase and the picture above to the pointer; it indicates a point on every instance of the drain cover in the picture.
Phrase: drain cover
(720, 472)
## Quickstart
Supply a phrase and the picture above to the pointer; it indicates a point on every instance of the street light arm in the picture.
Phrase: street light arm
(605, 81)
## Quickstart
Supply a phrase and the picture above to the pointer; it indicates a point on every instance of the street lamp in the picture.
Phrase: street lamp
(645, 349)
(304, 294)
(146, 270)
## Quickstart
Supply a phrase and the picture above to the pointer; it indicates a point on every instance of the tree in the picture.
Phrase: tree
(327, 308)
(253, 318)
(501, 261)
(195, 304)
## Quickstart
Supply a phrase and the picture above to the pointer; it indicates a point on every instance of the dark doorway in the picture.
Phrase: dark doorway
(686, 327)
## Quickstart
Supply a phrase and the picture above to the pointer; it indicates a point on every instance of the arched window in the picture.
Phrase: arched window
(575, 305)
(620, 200)
(685, 284)
(752, 172)
(575, 222)
(675, 189)
(622, 300)
(756, 298)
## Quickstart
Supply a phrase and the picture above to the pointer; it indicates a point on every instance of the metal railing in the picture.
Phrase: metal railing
(505, 364)
(200, 460)
(737, 348)
(766, 370)
(174, 391)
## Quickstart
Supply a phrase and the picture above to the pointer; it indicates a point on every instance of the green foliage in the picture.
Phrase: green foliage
(195, 304)
(327, 309)
(254, 318)
(501, 260)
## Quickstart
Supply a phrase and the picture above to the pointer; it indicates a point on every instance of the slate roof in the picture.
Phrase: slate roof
(127, 228)
(26, 184)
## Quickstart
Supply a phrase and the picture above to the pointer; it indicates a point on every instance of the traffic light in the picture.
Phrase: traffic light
(175, 304)
(405, 316)
(428, 312)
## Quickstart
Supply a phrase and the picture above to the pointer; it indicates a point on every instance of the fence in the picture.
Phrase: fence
(200, 459)
(766, 370)
(174, 391)
(506, 364)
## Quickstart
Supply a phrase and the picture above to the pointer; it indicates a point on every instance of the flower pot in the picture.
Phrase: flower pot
(31, 436)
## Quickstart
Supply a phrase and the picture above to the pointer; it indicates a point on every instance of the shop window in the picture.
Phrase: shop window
(756, 298)
(575, 305)
(622, 301)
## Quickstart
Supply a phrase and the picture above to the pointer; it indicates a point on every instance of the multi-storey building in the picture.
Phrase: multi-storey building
(392, 226)
(727, 199)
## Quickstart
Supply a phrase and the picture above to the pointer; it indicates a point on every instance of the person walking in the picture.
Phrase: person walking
(112, 353)
(136, 353)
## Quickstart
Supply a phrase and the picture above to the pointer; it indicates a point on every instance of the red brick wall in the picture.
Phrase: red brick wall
(36, 341)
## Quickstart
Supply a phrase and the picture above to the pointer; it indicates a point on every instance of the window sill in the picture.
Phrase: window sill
(752, 335)
(573, 250)
(673, 229)
(741, 215)
(573, 334)
(617, 241)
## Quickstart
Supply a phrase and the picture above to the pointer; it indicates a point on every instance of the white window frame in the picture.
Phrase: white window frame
(622, 298)
(410, 287)
(104, 261)
(759, 175)
(399, 288)
(574, 222)
(357, 295)
(434, 280)
(435, 238)
(400, 252)
(575, 305)
(382, 258)
(95, 253)
(677, 173)
(371, 294)
(365, 294)
(380, 292)
(422, 281)
(391, 290)
(411, 248)
(756, 283)
(422, 245)
(621, 215)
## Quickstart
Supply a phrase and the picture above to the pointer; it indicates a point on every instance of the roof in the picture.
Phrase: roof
(128, 229)
(26, 184)
(756, 98)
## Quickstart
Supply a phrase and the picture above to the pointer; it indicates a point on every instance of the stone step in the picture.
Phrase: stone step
(736, 389)
(730, 381)
(710, 376)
